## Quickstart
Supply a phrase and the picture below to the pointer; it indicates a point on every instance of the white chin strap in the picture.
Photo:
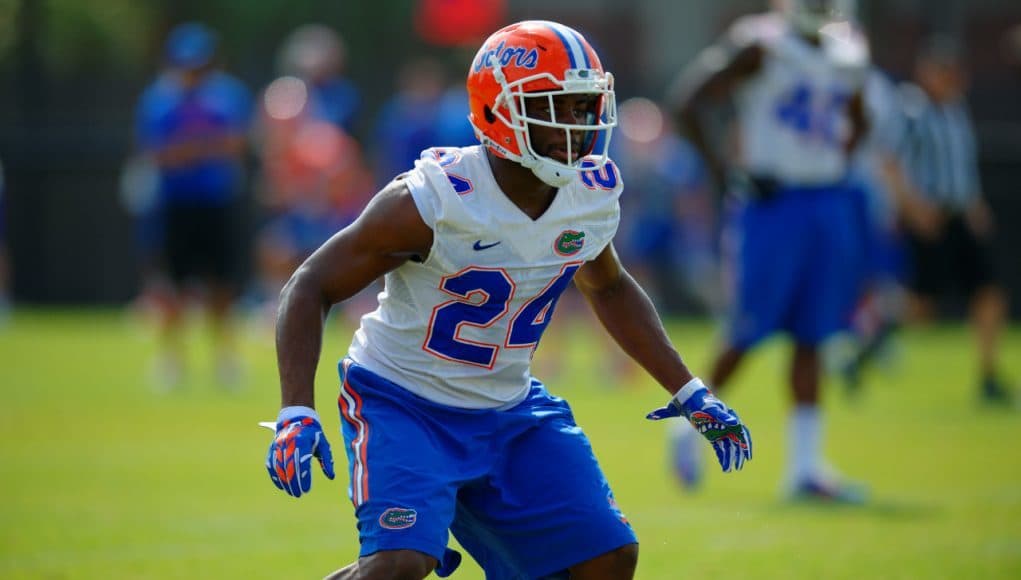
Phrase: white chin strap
(549, 173)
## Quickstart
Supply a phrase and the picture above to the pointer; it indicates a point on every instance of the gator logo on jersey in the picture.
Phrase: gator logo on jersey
(569, 243)
(396, 518)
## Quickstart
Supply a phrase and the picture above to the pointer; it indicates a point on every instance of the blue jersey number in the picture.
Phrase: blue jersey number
(603, 178)
(532, 319)
(799, 110)
(481, 297)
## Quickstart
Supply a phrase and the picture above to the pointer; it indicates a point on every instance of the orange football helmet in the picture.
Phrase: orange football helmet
(538, 58)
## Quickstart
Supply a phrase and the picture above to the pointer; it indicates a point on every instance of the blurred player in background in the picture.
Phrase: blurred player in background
(314, 179)
(445, 427)
(451, 124)
(794, 76)
(941, 154)
(407, 121)
(192, 121)
(317, 54)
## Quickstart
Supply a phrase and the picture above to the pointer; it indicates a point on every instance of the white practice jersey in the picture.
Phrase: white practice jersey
(792, 114)
(460, 328)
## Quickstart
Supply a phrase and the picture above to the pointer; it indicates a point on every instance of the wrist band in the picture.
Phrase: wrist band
(689, 389)
(297, 411)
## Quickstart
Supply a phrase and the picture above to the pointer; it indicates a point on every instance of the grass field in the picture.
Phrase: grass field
(103, 477)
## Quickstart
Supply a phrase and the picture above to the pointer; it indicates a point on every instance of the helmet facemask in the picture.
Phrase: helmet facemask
(510, 109)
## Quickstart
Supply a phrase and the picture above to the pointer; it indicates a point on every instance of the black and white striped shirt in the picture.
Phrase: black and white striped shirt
(939, 150)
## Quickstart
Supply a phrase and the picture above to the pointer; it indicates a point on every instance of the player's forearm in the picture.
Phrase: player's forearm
(629, 316)
(299, 336)
(859, 124)
(713, 78)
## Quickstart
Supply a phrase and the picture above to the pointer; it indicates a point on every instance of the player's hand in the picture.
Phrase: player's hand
(298, 438)
(715, 421)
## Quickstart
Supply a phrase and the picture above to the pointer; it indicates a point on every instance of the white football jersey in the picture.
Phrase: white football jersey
(792, 114)
(460, 328)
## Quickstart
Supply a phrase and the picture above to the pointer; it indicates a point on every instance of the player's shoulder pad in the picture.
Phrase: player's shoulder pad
(756, 29)
(449, 159)
(441, 181)
(847, 48)
(441, 155)
(449, 166)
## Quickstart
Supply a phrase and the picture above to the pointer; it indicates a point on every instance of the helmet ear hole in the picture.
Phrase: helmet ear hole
(488, 114)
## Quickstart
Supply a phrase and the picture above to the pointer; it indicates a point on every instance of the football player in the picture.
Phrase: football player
(445, 428)
(794, 77)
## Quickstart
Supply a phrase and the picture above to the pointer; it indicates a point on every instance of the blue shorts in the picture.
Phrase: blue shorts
(520, 488)
(798, 265)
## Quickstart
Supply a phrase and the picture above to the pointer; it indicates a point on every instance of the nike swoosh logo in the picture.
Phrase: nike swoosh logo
(480, 246)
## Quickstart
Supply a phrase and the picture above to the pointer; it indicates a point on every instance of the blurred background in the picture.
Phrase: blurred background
(71, 75)
(120, 463)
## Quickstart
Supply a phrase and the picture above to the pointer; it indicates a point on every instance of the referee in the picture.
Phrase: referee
(941, 158)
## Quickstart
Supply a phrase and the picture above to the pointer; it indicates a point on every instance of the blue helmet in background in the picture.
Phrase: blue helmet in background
(190, 45)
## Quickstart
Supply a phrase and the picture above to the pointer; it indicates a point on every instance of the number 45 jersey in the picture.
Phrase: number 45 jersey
(793, 114)
(460, 327)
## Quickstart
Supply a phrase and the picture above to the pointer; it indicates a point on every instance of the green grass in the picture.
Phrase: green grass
(103, 477)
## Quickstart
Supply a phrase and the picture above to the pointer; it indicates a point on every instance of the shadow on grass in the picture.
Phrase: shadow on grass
(880, 508)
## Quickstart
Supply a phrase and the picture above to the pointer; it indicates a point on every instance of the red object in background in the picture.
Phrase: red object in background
(458, 22)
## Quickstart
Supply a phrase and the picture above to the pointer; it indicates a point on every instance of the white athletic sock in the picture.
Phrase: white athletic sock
(686, 445)
(804, 459)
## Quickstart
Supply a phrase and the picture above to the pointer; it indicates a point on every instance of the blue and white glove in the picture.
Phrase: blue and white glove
(715, 421)
(299, 437)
